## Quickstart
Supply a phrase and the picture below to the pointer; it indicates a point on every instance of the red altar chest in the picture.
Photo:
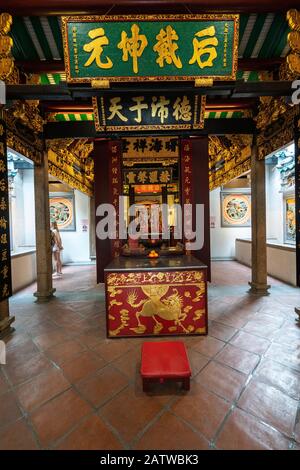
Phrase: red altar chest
(164, 296)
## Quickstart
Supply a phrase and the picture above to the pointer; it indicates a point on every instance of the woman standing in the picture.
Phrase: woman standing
(56, 248)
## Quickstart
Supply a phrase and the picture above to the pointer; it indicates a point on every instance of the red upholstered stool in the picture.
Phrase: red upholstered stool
(165, 360)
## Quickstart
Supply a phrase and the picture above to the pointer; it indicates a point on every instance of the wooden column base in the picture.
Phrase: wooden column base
(5, 326)
(44, 296)
(5, 319)
(259, 289)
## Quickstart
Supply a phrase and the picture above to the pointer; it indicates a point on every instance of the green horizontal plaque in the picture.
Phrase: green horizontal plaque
(149, 111)
(156, 47)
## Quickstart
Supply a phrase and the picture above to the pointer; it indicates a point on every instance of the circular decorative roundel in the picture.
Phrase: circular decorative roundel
(61, 211)
(236, 209)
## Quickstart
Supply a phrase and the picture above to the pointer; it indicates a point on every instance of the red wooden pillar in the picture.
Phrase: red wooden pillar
(108, 188)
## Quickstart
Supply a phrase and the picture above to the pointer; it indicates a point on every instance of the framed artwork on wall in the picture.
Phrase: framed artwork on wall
(289, 220)
(235, 209)
(62, 211)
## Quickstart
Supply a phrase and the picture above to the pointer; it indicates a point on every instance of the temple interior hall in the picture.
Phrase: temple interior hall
(149, 227)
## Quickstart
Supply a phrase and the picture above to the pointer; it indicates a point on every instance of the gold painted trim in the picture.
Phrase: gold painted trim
(114, 18)
(204, 82)
(100, 84)
(175, 284)
(57, 172)
(98, 127)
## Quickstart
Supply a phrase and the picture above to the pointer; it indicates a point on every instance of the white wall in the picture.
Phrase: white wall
(274, 205)
(23, 211)
(281, 260)
(76, 244)
(29, 207)
(223, 238)
(17, 208)
(23, 270)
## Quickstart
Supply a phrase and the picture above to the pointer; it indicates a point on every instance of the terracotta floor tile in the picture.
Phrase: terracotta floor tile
(41, 389)
(111, 349)
(197, 361)
(270, 405)
(27, 370)
(288, 355)
(288, 335)
(75, 322)
(169, 432)
(202, 409)
(206, 345)
(41, 328)
(130, 411)
(274, 309)
(17, 436)
(16, 339)
(89, 338)
(222, 380)
(65, 351)
(235, 320)
(251, 343)
(262, 326)
(243, 432)
(279, 376)
(21, 353)
(50, 339)
(83, 366)
(91, 434)
(52, 420)
(4, 386)
(297, 431)
(238, 359)
(129, 363)
(65, 317)
(9, 409)
(269, 319)
(102, 386)
(222, 332)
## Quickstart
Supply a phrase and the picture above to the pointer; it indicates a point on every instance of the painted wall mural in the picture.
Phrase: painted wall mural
(235, 210)
(290, 220)
(62, 211)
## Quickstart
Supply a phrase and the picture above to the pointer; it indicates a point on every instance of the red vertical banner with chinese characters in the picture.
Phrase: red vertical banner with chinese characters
(115, 180)
(195, 190)
(5, 262)
(186, 171)
(108, 186)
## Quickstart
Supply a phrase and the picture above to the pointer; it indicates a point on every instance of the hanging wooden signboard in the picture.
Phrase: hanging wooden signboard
(151, 47)
(149, 111)
(147, 175)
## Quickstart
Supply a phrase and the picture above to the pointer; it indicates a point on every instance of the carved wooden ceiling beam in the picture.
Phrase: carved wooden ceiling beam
(59, 7)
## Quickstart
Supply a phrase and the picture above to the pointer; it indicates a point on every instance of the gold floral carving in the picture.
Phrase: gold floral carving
(278, 133)
(293, 58)
(118, 280)
(269, 111)
(23, 139)
(70, 180)
(70, 161)
(228, 158)
(28, 113)
(8, 71)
